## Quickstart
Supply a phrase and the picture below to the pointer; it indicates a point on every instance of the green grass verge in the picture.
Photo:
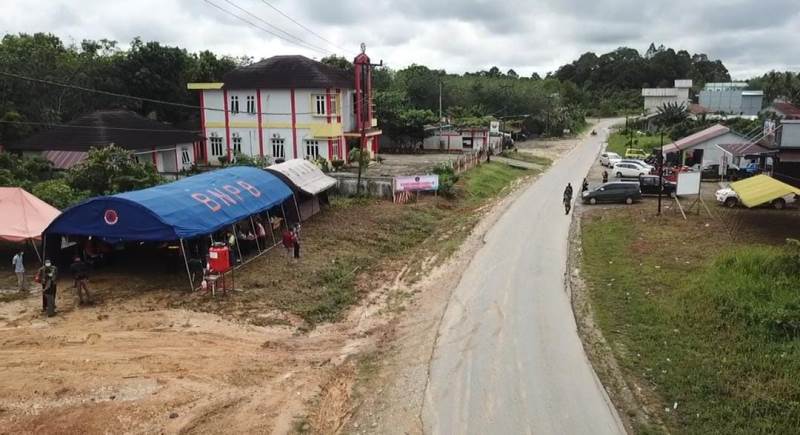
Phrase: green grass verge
(488, 180)
(712, 328)
(618, 143)
(527, 157)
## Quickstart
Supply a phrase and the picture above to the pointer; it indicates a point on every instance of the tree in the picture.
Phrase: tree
(535, 76)
(361, 157)
(110, 170)
(338, 62)
(513, 74)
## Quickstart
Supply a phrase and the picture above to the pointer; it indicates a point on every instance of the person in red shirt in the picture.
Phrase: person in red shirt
(287, 238)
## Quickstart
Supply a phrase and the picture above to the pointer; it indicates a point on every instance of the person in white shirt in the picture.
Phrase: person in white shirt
(19, 269)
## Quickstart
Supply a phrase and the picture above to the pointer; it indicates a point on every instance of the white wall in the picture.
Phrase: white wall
(712, 154)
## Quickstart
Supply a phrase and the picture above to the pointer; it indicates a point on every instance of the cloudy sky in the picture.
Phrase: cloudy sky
(750, 36)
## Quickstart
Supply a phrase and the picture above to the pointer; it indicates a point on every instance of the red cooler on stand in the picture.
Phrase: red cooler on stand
(219, 259)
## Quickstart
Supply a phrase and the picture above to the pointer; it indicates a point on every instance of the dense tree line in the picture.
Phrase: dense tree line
(146, 69)
(612, 82)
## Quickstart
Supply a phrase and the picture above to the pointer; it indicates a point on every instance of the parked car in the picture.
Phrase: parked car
(729, 198)
(609, 159)
(615, 191)
(629, 170)
(745, 172)
(635, 153)
(648, 184)
(641, 163)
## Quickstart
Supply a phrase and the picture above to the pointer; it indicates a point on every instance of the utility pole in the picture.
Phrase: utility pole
(440, 116)
(660, 172)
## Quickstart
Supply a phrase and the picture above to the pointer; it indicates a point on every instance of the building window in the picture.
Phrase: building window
(319, 105)
(312, 149)
(466, 142)
(234, 104)
(278, 149)
(251, 104)
(237, 143)
(185, 159)
(216, 146)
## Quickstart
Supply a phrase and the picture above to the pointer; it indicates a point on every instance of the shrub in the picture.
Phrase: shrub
(322, 163)
(337, 164)
(447, 179)
(58, 193)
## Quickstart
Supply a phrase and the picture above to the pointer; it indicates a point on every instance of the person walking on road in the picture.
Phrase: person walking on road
(19, 269)
(567, 198)
(47, 276)
(585, 186)
(605, 177)
(80, 273)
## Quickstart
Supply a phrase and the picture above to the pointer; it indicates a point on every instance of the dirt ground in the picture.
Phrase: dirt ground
(148, 357)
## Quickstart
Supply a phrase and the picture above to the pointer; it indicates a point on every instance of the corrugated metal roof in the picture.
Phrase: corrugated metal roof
(744, 149)
(761, 189)
(123, 128)
(697, 138)
(304, 175)
(64, 159)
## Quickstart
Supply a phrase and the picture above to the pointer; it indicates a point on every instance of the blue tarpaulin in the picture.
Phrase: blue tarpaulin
(194, 206)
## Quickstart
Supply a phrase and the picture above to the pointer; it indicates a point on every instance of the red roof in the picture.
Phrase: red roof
(697, 138)
(788, 110)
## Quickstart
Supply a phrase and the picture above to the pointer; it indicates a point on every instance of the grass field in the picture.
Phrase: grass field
(708, 326)
(618, 143)
(526, 157)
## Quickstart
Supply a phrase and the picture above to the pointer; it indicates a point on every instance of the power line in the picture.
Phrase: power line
(131, 97)
(299, 40)
(96, 127)
(302, 26)
(307, 46)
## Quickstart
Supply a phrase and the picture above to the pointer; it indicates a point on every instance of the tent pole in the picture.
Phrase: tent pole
(271, 230)
(253, 225)
(44, 248)
(296, 207)
(238, 243)
(186, 263)
(283, 211)
(36, 250)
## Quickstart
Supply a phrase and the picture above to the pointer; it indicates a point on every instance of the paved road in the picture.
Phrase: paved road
(508, 358)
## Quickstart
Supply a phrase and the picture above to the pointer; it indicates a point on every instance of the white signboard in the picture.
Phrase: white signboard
(494, 127)
(688, 183)
(416, 183)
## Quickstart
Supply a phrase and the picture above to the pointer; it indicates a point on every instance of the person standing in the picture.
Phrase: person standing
(19, 269)
(234, 254)
(585, 186)
(48, 275)
(605, 177)
(287, 239)
(80, 273)
(296, 243)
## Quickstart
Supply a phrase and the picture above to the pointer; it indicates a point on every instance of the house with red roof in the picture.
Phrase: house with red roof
(783, 110)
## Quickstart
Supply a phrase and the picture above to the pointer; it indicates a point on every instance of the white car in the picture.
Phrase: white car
(629, 170)
(609, 159)
(729, 198)
(641, 163)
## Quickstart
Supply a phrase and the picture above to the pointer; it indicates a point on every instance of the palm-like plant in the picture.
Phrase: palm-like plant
(672, 113)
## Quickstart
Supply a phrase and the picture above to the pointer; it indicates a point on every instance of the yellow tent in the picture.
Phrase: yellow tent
(761, 189)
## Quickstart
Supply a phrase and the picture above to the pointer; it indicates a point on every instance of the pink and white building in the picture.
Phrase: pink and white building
(288, 107)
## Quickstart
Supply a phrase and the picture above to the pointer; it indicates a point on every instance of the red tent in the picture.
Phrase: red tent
(22, 215)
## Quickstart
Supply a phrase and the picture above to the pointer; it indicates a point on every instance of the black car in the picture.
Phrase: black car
(648, 184)
(615, 191)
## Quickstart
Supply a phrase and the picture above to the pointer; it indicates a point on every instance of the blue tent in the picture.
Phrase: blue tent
(193, 206)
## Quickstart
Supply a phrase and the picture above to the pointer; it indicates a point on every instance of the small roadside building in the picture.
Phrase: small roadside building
(731, 98)
(169, 149)
(702, 147)
(657, 97)
(461, 139)
(309, 184)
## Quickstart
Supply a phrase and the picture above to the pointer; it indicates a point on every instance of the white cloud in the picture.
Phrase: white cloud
(750, 36)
